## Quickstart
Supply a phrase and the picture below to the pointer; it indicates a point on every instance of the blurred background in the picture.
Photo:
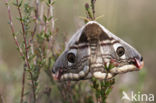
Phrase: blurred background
(132, 20)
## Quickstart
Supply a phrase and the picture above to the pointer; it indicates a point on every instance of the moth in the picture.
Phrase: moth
(93, 51)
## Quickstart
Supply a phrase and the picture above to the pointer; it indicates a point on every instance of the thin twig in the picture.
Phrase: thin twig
(36, 19)
(46, 22)
(23, 84)
(41, 17)
(26, 50)
(52, 15)
(13, 30)
(93, 7)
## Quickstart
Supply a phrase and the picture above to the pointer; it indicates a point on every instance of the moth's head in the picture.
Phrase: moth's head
(93, 51)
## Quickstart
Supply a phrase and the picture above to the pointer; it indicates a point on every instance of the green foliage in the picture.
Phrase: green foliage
(102, 88)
